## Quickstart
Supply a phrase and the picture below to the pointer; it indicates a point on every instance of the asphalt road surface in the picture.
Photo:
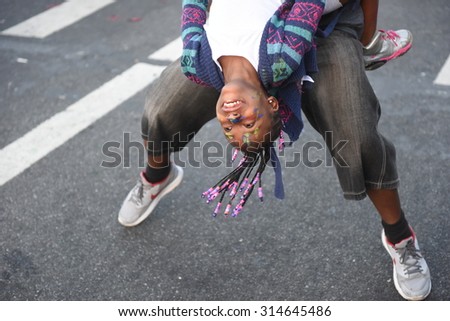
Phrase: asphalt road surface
(60, 194)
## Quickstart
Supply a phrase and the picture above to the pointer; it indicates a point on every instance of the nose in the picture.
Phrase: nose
(234, 118)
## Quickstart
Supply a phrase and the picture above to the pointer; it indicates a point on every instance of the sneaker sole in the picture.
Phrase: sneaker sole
(375, 65)
(394, 273)
(381, 62)
(169, 188)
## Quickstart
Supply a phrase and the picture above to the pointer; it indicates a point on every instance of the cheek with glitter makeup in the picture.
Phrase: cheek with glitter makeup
(229, 136)
(255, 132)
(246, 136)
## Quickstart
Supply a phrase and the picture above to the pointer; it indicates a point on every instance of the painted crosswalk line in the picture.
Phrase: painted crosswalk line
(55, 131)
(56, 18)
(443, 78)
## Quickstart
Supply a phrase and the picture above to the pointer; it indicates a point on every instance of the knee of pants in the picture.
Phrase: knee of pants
(349, 147)
(164, 136)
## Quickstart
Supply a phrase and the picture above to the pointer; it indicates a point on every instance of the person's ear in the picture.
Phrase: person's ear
(273, 102)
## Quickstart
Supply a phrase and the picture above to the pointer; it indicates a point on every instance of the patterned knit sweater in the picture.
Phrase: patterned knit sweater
(286, 54)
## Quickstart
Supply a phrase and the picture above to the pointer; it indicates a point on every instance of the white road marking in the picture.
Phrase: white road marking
(56, 18)
(171, 51)
(55, 131)
(443, 78)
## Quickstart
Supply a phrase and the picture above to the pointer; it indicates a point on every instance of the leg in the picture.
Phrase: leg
(352, 116)
(387, 203)
(342, 105)
(175, 110)
(342, 102)
(370, 10)
(158, 161)
(381, 46)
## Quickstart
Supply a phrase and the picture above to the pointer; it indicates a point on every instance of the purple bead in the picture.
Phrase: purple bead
(243, 184)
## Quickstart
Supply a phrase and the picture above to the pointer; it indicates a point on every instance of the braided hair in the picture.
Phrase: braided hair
(240, 183)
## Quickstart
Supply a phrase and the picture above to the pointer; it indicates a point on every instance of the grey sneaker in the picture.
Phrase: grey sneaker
(386, 45)
(143, 198)
(411, 274)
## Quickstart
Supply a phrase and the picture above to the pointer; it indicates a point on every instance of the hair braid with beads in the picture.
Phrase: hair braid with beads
(240, 183)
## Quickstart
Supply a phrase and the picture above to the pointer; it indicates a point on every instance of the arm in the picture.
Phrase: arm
(303, 19)
(370, 11)
(193, 18)
(192, 21)
(290, 36)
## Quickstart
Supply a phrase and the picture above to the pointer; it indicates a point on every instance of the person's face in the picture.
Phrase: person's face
(245, 113)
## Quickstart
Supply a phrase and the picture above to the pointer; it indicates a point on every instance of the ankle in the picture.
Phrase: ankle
(374, 44)
(156, 175)
(398, 231)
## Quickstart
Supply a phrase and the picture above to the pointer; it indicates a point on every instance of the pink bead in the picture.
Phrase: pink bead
(207, 192)
(227, 209)
(216, 211)
(260, 193)
(235, 154)
(256, 179)
(247, 189)
(233, 189)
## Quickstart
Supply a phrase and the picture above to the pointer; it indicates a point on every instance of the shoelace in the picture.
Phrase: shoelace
(138, 193)
(390, 35)
(409, 256)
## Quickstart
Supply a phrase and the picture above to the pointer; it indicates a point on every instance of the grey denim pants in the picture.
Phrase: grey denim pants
(341, 104)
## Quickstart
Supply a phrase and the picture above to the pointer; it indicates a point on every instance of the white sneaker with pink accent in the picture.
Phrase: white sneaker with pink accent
(386, 45)
(411, 274)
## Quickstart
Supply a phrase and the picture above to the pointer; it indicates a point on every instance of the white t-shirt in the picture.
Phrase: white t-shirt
(235, 27)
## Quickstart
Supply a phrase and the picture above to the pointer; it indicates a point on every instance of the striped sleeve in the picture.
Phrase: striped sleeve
(192, 21)
(291, 35)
